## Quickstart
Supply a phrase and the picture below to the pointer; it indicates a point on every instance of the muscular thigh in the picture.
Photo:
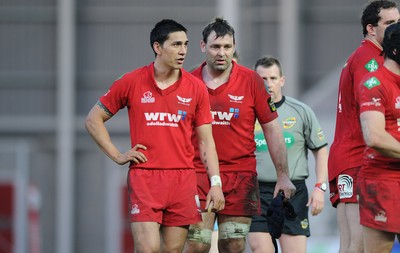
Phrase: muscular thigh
(145, 235)
(242, 197)
(379, 204)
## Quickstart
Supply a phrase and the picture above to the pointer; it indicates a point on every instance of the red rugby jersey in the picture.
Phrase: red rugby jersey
(235, 105)
(348, 145)
(162, 120)
(380, 91)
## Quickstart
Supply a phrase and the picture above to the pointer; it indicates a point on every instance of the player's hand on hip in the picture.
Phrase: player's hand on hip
(133, 155)
(215, 199)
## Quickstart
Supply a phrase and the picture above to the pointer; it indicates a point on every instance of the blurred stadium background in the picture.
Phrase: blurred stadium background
(58, 192)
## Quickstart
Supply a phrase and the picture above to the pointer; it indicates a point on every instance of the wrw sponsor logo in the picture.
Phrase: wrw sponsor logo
(164, 118)
(224, 118)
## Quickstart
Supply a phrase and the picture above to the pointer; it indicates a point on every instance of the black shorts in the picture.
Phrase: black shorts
(300, 226)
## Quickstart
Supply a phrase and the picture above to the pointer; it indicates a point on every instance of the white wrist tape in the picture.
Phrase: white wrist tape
(216, 181)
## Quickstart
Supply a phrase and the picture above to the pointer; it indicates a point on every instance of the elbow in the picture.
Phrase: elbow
(89, 123)
(373, 141)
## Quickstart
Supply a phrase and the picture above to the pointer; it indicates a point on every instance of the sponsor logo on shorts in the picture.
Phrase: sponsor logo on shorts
(381, 216)
(135, 209)
(345, 186)
(304, 223)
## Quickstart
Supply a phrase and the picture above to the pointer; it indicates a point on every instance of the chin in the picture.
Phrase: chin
(221, 67)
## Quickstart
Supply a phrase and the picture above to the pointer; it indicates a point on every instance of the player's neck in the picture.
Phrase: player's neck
(392, 66)
(215, 78)
(166, 77)
(373, 40)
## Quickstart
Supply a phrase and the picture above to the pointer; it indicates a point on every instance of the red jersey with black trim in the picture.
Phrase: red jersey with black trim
(162, 120)
(380, 91)
(348, 145)
(235, 105)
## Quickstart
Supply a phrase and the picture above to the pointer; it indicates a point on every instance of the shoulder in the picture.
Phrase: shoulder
(134, 74)
(365, 53)
(244, 72)
(190, 79)
(296, 103)
(247, 79)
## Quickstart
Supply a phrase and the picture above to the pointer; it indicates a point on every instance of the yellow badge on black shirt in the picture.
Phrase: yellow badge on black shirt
(272, 106)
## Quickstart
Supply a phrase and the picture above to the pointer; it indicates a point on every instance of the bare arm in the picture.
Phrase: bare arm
(95, 125)
(209, 157)
(376, 137)
(277, 149)
(316, 200)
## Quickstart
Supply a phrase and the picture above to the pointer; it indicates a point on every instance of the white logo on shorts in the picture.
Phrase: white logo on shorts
(345, 186)
(381, 216)
(135, 209)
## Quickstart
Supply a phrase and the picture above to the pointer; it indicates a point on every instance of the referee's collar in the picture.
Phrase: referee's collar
(278, 104)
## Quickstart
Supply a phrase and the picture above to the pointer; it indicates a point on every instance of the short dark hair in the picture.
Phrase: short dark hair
(391, 42)
(370, 14)
(268, 61)
(221, 27)
(162, 29)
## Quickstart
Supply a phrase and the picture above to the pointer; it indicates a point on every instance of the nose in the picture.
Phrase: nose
(221, 51)
(183, 50)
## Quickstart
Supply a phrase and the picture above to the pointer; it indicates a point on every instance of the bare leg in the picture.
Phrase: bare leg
(146, 237)
(376, 241)
(351, 235)
(233, 243)
(260, 242)
(196, 241)
(293, 243)
(173, 239)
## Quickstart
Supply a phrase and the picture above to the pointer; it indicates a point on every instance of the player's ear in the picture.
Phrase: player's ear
(157, 47)
(371, 29)
(203, 46)
(283, 80)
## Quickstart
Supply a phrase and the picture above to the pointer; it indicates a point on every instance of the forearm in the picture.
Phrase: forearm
(389, 146)
(277, 148)
(209, 158)
(208, 153)
(321, 164)
(375, 135)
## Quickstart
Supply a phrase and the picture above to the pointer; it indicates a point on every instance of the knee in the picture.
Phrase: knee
(146, 248)
(198, 240)
(232, 236)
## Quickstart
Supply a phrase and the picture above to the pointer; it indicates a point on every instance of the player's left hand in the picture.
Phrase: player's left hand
(215, 199)
(316, 201)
